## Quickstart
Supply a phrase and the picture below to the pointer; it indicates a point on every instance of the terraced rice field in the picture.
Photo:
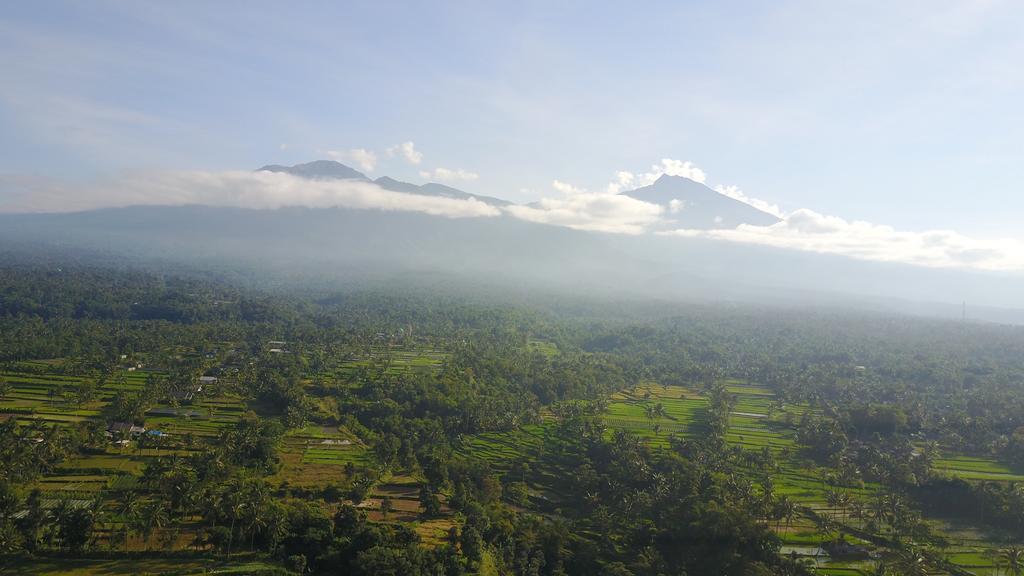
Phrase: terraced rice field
(975, 468)
(41, 394)
(754, 425)
(50, 397)
(501, 449)
(396, 359)
(683, 409)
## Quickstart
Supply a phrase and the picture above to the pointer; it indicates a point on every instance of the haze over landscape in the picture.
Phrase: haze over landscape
(879, 182)
(537, 289)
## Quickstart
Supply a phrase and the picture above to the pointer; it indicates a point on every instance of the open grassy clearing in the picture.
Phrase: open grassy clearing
(545, 347)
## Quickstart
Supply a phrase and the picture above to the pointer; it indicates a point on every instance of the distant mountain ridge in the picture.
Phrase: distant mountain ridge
(687, 203)
(329, 169)
(690, 204)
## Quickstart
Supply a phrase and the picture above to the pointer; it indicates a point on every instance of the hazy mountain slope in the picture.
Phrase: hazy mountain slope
(342, 242)
(434, 189)
(345, 244)
(690, 204)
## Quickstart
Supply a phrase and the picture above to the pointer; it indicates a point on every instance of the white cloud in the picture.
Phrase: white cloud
(257, 190)
(283, 146)
(675, 205)
(813, 232)
(595, 211)
(408, 151)
(679, 168)
(623, 181)
(447, 175)
(365, 159)
(737, 194)
(565, 187)
(671, 167)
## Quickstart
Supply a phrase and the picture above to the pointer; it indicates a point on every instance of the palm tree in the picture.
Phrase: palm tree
(236, 507)
(649, 413)
(786, 511)
(996, 558)
(1013, 557)
(838, 500)
(257, 521)
(154, 518)
(881, 569)
(96, 512)
(858, 510)
(128, 509)
(880, 510)
(58, 515)
(825, 526)
(211, 505)
(767, 495)
(912, 563)
(276, 529)
(844, 503)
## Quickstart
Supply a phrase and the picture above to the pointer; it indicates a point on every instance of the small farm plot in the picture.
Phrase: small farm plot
(318, 455)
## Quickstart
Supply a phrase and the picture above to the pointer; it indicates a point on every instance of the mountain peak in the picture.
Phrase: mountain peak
(670, 179)
(318, 169)
(701, 207)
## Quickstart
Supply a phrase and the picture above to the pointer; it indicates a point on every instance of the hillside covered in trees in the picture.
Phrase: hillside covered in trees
(170, 422)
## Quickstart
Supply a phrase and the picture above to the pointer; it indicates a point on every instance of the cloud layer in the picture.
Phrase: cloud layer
(257, 190)
(596, 211)
(571, 206)
(810, 231)
(449, 175)
(736, 194)
(803, 229)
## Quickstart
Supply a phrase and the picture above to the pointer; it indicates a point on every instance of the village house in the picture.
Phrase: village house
(125, 428)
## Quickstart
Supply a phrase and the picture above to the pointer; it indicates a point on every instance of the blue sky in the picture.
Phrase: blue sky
(906, 114)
